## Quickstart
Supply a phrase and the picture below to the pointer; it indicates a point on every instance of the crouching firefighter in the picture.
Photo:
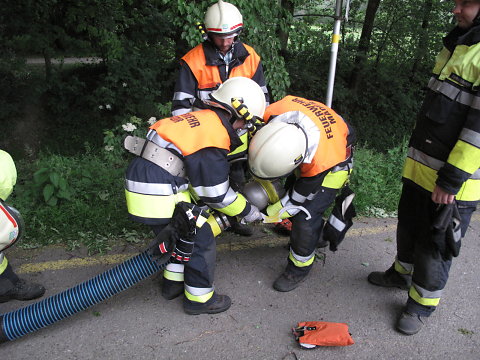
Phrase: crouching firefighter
(11, 230)
(184, 158)
(307, 135)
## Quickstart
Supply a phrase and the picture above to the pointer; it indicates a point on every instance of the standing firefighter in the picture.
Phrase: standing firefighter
(190, 152)
(311, 136)
(11, 229)
(441, 176)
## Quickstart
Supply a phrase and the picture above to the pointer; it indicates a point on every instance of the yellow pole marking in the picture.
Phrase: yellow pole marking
(269, 241)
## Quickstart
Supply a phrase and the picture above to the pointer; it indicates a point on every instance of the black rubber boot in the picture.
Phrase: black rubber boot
(172, 289)
(216, 304)
(410, 323)
(390, 278)
(291, 278)
(22, 290)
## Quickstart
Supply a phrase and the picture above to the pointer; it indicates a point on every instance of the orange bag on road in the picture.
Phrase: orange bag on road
(311, 334)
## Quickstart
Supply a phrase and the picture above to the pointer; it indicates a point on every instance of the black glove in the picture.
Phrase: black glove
(177, 238)
(446, 232)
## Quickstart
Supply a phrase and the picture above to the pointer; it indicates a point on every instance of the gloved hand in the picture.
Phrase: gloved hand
(253, 215)
(160, 249)
(183, 250)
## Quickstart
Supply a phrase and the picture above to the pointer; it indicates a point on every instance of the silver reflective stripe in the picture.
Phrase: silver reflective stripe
(433, 163)
(179, 112)
(424, 159)
(229, 198)
(175, 268)
(212, 191)
(424, 293)
(301, 258)
(2, 256)
(470, 136)
(153, 136)
(204, 94)
(454, 93)
(298, 197)
(183, 96)
(406, 266)
(152, 188)
(196, 291)
(336, 223)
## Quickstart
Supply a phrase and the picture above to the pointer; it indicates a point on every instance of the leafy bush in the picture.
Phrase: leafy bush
(376, 180)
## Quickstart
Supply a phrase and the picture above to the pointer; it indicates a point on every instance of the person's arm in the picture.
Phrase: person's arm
(8, 175)
(207, 170)
(185, 90)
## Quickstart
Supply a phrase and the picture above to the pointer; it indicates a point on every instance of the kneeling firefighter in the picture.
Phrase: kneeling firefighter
(310, 136)
(11, 230)
(185, 158)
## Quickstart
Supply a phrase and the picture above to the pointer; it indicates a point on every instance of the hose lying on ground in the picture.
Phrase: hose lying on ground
(78, 298)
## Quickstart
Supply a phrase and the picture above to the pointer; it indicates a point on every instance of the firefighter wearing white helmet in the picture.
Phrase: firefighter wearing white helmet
(185, 157)
(309, 139)
(219, 57)
(11, 229)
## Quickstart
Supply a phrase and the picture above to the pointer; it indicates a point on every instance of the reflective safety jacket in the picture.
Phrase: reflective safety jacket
(444, 148)
(8, 175)
(328, 161)
(202, 70)
(202, 139)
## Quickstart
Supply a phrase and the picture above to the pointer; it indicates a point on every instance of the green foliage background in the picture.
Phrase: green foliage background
(63, 122)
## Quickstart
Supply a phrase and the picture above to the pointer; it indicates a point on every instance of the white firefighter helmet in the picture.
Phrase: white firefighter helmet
(276, 150)
(11, 226)
(223, 18)
(243, 88)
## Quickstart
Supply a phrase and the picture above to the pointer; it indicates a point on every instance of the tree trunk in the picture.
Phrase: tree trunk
(283, 34)
(422, 38)
(364, 44)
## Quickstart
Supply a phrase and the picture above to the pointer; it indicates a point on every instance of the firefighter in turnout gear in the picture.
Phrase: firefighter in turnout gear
(219, 57)
(310, 136)
(185, 158)
(441, 175)
(11, 229)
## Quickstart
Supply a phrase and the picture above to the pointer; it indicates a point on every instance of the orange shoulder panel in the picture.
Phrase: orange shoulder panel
(207, 76)
(194, 131)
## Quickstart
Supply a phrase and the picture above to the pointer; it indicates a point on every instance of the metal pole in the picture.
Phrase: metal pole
(334, 51)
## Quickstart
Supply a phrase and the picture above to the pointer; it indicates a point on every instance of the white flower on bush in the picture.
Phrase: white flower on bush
(108, 107)
(109, 148)
(100, 107)
(152, 120)
(124, 84)
(128, 127)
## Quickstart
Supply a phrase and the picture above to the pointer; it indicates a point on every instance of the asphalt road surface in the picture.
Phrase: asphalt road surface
(138, 323)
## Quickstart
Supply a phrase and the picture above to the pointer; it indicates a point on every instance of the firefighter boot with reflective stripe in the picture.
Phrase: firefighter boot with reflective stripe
(410, 323)
(22, 290)
(390, 278)
(171, 289)
(216, 304)
(291, 277)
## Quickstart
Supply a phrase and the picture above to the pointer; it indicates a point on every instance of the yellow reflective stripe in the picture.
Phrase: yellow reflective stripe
(426, 178)
(401, 269)
(173, 276)
(151, 206)
(3, 263)
(413, 293)
(235, 207)
(243, 147)
(298, 263)
(458, 159)
(216, 230)
(420, 174)
(335, 180)
(198, 298)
